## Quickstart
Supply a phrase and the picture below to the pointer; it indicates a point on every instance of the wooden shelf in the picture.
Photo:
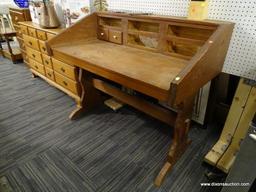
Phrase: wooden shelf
(111, 27)
(184, 40)
(144, 33)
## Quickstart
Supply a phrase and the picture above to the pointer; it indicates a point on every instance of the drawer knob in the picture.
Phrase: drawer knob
(33, 55)
(49, 74)
(36, 67)
(44, 49)
(16, 18)
(65, 83)
(115, 37)
(46, 62)
(101, 34)
(30, 42)
(62, 69)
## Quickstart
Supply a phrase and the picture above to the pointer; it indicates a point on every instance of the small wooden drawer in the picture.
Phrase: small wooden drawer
(66, 82)
(23, 29)
(103, 34)
(64, 69)
(37, 66)
(31, 42)
(32, 32)
(49, 73)
(47, 61)
(50, 35)
(41, 35)
(115, 36)
(17, 16)
(42, 47)
(36, 55)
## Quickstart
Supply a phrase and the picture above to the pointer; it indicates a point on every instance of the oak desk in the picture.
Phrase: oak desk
(165, 58)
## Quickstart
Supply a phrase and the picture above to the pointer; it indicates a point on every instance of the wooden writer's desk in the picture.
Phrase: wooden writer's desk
(166, 58)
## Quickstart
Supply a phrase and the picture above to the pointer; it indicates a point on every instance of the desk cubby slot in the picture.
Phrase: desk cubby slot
(189, 32)
(180, 48)
(109, 22)
(143, 26)
(142, 41)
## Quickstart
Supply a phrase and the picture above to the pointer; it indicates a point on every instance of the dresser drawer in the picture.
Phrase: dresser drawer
(103, 34)
(50, 35)
(17, 16)
(37, 66)
(67, 83)
(115, 36)
(42, 47)
(34, 54)
(49, 73)
(64, 69)
(47, 61)
(32, 32)
(41, 35)
(23, 29)
(31, 42)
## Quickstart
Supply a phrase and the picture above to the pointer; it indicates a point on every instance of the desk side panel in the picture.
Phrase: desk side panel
(83, 30)
(203, 67)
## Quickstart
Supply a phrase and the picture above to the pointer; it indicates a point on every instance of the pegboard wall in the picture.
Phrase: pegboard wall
(241, 57)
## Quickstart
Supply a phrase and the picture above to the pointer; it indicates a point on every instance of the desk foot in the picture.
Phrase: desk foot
(175, 153)
(90, 97)
(180, 140)
(76, 113)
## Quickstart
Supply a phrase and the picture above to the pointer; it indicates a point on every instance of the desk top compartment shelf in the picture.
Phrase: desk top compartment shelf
(167, 58)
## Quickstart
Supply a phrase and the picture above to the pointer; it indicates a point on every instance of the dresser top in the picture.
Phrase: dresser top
(37, 26)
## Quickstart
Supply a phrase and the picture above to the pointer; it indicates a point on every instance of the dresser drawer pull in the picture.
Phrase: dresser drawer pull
(36, 67)
(34, 55)
(46, 62)
(65, 83)
(101, 34)
(44, 49)
(49, 74)
(62, 69)
(16, 18)
(115, 37)
(30, 42)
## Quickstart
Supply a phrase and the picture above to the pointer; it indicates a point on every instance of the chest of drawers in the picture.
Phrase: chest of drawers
(57, 73)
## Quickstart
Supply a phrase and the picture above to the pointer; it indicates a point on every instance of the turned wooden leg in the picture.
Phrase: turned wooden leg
(86, 101)
(180, 139)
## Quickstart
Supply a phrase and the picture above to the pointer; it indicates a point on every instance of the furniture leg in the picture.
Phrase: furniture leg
(180, 139)
(33, 75)
(9, 47)
(231, 124)
(90, 96)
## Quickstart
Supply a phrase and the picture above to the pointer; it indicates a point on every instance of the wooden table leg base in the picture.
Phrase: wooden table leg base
(175, 153)
(180, 140)
(161, 175)
(76, 113)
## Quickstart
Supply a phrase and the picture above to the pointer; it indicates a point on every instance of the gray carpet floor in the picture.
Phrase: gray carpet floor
(42, 150)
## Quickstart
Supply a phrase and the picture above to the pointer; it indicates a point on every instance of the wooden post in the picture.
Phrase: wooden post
(180, 138)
